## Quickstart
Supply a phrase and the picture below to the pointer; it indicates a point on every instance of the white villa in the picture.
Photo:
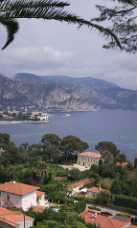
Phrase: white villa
(87, 159)
(21, 196)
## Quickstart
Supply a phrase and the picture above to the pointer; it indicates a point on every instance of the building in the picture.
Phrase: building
(105, 220)
(87, 159)
(43, 117)
(12, 219)
(2, 151)
(22, 196)
(122, 165)
(94, 191)
(77, 187)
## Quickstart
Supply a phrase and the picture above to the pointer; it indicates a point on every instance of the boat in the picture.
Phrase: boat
(67, 115)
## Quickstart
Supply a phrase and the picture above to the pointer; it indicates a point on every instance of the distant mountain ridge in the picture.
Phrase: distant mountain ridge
(64, 93)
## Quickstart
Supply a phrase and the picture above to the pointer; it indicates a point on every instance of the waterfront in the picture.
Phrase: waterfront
(117, 126)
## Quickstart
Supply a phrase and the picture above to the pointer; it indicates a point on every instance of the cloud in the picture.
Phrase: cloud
(37, 59)
(55, 48)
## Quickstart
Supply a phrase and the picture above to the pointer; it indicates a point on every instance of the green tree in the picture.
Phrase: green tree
(135, 163)
(51, 144)
(51, 139)
(74, 174)
(72, 145)
(106, 146)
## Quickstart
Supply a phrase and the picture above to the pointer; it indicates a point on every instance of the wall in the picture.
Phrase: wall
(29, 201)
(10, 200)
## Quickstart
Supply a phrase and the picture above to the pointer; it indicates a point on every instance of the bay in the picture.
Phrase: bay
(117, 126)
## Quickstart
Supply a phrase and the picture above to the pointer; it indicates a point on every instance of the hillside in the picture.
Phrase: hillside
(64, 93)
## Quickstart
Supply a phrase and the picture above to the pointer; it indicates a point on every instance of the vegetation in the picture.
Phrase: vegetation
(121, 18)
(39, 164)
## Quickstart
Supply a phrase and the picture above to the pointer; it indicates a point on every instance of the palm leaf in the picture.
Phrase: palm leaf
(12, 27)
(10, 10)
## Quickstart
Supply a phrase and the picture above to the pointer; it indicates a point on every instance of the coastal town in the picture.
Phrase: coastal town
(71, 188)
(23, 115)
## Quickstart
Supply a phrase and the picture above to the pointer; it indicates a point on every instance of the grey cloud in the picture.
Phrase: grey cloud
(55, 48)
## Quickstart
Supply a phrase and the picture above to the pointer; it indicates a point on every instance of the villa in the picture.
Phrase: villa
(87, 159)
(94, 191)
(21, 196)
(12, 219)
(105, 220)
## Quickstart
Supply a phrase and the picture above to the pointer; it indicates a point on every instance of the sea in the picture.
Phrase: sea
(118, 126)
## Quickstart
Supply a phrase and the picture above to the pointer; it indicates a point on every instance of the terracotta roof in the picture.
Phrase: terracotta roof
(122, 164)
(95, 190)
(40, 194)
(17, 188)
(103, 221)
(95, 155)
(79, 184)
(12, 217)
(38, 209)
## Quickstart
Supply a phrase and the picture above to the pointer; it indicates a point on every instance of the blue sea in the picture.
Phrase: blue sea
(117, 126)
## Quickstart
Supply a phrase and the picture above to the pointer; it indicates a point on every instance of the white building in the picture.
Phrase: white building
(87, 159)
(22, 196)
(12, 219)
(43, 117)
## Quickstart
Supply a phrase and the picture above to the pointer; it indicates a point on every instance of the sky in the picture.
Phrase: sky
(54, 48)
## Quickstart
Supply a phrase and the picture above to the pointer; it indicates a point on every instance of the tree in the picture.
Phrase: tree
(74, 174)
(135, 163)
(73, 145)
(4, 138)
(106, 146)
(51, 139)
(122, 21)
(42, 171)
(10, 11)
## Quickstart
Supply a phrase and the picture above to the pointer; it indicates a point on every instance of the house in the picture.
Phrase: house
(105, 220)
(22, 196)
(122, 164)
(12, 219)
(2, 151)
(94, 191)
(77, 187)
(87, 159)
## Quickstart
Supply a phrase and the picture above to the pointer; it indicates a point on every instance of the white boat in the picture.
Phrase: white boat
(67, 115)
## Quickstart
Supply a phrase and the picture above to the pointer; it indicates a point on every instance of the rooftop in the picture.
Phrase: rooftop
(79, 184)
(104, 221)
(12, 217)
(122, 164)
(40, 194)
(17, 188)
(96, 190)
(91, 154)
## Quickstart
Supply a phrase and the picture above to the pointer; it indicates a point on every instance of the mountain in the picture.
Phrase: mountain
(64, 93)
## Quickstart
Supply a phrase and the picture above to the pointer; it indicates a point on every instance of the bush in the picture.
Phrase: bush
(125, 201)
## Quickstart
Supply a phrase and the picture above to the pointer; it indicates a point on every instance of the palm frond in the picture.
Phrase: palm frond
(10, 10)
(12, 27)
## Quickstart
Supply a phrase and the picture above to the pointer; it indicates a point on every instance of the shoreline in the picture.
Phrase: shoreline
(20, 121)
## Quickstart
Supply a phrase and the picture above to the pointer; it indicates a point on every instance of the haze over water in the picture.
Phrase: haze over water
(117, 126)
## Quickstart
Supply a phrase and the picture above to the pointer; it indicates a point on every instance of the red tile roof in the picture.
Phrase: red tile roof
(95, 155)
(95, 190)
(12, 217)
(122, 164)
(79, 184)
(17, 188)
(40, 194)
(103, 221)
